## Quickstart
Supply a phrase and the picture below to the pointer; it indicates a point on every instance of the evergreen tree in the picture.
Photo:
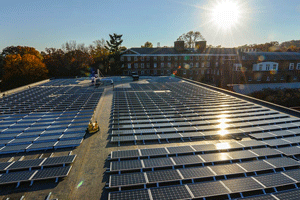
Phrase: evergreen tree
(113, 46)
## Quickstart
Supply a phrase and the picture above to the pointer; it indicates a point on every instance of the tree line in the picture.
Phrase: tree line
(21, 65)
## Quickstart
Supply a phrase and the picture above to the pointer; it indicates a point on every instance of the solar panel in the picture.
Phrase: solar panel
(4, 165)
(68, 143)
(290, 151)
(242, 184)
(205, 147)
(227, 169)
(13, 149)
(215, 157)
(295, 174)
(172, 192)
(241, 154)
(41, 146)
(196, 172)
(274, 180)
(290, 195)
(127, 179)
(52, 173)
(207, 189)
(262, 197)
(162, 175)
(156, 151)
(276, 142)
(126, 195)
(265, 152)
(14, 177)
(255, 165)
(125, 154)
(192, 159)
(282, 162)
(157, 162)
(125, 165)
(59, 160)
(25, 164)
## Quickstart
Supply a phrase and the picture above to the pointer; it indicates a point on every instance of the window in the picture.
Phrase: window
(298, 66)
(148, 58)
(258, 79)
(122, 58)
(136, 65)
(291, 67)
(218, 73)
(268, 78)
(162, 58)
(148, 65)
(249, 78)
(135, 58)
(191, 57)
(197, 64)
(295, 78)
(176, 57)
(184, 71)
(217, 64)
(275, 78)
(202, 64)
(142, 58)
(202, 71)
(208, 64)
(155, 71)
(142, 72)
(129, 66)
(128, 58)
(142, 65)
(197, 57)
(154, 65)
(208, 58)
(191, 65)
(161, 65)
(268, 67)
(282, 78)
(169, 65)
(176, 65)
(243, 58)
(155, 58)
(169, 57)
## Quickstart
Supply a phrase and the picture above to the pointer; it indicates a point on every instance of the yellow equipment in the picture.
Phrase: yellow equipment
(93, 127)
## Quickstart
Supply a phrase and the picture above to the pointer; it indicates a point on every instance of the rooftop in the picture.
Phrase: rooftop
(160, 138)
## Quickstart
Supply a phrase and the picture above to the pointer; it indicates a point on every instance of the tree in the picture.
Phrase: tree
(147, 45)
(113, 46)
(114, 43)
(21, 66)
(190, 38)
(70, 61)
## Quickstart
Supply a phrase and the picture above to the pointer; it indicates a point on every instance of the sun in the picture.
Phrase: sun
(226, 14)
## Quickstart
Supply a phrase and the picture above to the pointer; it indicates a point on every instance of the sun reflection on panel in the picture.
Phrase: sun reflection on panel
(223, 124)
(224, 145)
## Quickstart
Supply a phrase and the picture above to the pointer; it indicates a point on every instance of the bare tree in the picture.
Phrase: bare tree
(190, 38)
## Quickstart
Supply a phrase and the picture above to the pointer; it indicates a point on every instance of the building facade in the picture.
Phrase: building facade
(218, 66)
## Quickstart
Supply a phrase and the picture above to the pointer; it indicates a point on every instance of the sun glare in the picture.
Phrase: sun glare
(226, 14)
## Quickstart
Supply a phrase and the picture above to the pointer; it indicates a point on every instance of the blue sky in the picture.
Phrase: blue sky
(50, 23)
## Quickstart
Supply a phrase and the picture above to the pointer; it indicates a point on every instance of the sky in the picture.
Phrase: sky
(50, 23)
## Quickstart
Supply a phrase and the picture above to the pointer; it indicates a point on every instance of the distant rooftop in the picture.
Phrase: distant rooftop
(271, 55)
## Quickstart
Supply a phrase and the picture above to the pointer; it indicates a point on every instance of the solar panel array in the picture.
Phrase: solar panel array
(45, 117)
(263, 165)
(50, 116)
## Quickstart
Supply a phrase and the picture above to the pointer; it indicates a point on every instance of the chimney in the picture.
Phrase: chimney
(179, 45)
(158, 45)
(200, 46)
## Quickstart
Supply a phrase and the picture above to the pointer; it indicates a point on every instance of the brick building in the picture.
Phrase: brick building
(218, 66)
